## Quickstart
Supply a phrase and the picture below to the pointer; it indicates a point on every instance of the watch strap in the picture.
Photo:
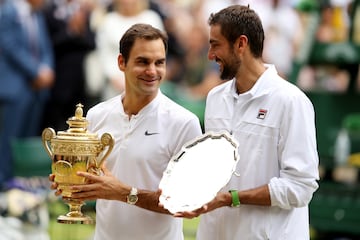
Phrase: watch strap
(235, 198)
(133, 191)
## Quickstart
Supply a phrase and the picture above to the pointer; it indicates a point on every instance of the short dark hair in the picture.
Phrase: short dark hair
(240, 20)
(140, 31)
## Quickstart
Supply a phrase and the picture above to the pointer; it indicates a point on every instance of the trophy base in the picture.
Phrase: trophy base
(75, 220)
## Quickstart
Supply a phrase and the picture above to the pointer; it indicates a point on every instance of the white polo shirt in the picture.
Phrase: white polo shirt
(143, 147)
(274, 125)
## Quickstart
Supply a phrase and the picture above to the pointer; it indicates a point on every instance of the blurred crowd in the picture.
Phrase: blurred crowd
(57, 53)
(337, 24)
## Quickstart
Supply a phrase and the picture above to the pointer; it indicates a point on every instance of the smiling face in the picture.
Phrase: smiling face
(144, 68)
(223, 53)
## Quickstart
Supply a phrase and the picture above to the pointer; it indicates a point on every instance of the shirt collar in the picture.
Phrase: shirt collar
(261, 87)
(148, 108)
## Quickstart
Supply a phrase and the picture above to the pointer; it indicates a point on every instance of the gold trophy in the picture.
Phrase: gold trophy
(74, 150)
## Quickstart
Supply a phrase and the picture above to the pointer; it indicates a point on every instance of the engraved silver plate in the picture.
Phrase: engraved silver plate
(195, 175)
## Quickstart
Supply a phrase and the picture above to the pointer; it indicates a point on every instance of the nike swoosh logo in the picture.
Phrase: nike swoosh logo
(150, 133)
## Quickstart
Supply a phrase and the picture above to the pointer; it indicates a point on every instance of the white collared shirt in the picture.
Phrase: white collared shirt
(144, 145)
(274, 125)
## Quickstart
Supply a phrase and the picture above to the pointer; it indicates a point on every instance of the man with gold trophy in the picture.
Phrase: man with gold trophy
(149, 129)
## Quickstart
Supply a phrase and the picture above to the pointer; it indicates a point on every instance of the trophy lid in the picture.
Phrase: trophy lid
(77, 127)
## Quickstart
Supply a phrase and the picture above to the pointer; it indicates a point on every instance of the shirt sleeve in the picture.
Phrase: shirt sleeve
(298, 155)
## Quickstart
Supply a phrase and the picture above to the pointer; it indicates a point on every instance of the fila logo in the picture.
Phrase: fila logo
(150, 133)
(261, 114)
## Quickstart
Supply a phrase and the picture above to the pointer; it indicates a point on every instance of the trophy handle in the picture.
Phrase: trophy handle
(47, 135)
(106, 140)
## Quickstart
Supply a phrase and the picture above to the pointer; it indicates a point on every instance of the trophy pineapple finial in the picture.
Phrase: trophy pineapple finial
(77, 123)
(79, 111)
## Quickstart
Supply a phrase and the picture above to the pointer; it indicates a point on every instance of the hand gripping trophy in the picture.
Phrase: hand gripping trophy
(74, 150)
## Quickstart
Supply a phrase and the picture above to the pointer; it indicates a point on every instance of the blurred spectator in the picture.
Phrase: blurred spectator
(125, 13)
(207, 7)
(170, 12)
(94, 74)
(333, 27)
(26, 67)
(334, 22)
(200, 75)
(68, 23)
(325, 31)
(283, 31)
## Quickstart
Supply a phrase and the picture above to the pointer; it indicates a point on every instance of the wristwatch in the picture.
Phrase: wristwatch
(132, 198)
(234, 198)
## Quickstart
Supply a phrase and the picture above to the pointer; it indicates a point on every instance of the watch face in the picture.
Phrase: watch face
(132, 199)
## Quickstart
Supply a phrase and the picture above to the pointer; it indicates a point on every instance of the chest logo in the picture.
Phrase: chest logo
(150, 133)
(261, 114)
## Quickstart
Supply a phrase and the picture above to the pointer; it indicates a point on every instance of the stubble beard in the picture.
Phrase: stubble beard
(230, 69)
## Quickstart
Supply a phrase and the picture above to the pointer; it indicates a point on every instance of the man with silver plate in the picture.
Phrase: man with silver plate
(274, 124)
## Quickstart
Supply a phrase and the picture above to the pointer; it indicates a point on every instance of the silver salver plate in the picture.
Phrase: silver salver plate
(195, 175)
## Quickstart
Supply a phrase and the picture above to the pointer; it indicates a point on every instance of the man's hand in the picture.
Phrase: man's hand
(44, 79)
(105, 186)
(54, 185)
(222, 199)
